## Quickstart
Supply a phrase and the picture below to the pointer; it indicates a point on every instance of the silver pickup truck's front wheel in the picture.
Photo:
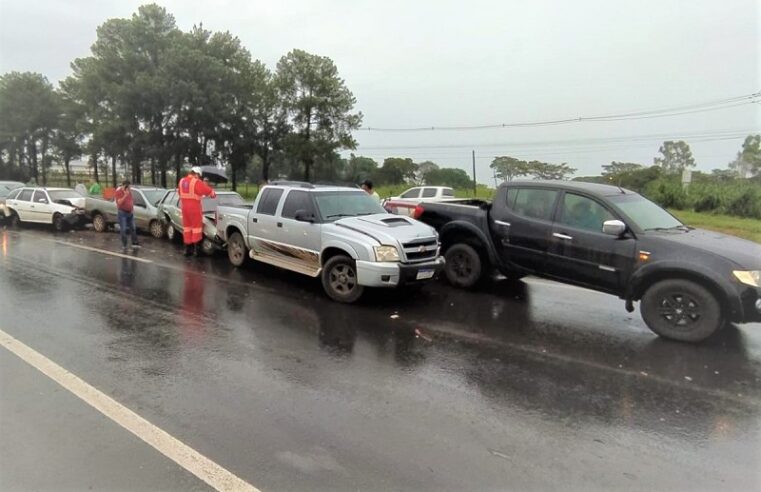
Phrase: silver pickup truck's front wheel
(339, 279)
(236, 249)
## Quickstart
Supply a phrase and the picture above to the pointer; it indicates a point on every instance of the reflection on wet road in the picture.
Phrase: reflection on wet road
(522, 385)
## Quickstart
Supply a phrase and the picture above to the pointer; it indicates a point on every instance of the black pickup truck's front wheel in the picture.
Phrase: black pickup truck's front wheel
(681, 310)
(463, 267)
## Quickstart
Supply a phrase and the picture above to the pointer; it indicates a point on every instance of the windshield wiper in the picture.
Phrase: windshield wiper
(680, 227)
(339, 215)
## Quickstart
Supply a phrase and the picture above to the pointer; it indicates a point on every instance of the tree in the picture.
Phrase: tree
(543, 170)
(67, 137)
(615, 169)
(748, 161)
(676, 157)
(319, 107)
(423, 169)
(359, 168)
(455, 178)
(508, 168)
(396, 170)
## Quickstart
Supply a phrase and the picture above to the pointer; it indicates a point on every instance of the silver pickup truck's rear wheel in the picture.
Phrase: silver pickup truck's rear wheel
(681, 310)
(339, 279)
(236, 249)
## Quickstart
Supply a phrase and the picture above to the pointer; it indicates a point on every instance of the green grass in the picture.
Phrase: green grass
(736, 226)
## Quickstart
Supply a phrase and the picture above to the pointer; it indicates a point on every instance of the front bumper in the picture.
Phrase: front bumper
(77, 217)
(392, 274)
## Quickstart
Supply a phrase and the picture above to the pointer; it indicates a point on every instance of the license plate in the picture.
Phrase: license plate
(424, 274)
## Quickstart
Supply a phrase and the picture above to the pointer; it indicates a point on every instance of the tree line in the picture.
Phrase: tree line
(152, 98)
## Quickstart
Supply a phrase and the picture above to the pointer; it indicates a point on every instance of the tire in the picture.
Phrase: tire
(236, 249)
(15, 220)
(681, 310)
(339, 279)
(463, 268)
(207, 247)
(99, 223)
(171, 233)
(156, 228)
(58, 223)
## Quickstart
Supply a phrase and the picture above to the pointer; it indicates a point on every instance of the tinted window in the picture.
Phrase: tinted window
(534, 203)
(137, 199)
(447, 192)
(413, 193)
(25, 195)
(269, 200)
(297, 200)
(583, 213)
(429, 192)
(39, 197)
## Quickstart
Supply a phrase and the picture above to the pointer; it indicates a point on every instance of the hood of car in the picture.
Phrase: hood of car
(387, 227)
(72, 202)
(744, 253)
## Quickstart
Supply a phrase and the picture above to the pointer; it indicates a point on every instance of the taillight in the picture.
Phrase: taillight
(418, 212)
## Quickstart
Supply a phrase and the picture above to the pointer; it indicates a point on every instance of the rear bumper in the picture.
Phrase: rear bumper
(390, 274)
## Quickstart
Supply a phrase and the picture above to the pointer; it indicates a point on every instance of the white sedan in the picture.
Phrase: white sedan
(60, 207)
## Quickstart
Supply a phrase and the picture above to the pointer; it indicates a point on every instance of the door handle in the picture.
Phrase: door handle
(256, 220)
(502, 223)
(562, 236)
(280, 224)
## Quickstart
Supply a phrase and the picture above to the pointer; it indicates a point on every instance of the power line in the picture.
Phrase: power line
(715, 105)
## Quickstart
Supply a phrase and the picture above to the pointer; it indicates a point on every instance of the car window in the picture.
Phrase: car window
(533, 202)
(295, 201)
(429, 192)
(269, 200)
(583, 213)
(25, 195)
(39, 197)
(447, 192)
(334, 205)
(153, 196)
(137, 199)
(413, 193)
(13, 194)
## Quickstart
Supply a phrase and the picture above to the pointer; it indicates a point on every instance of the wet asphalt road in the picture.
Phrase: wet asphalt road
(524, 385)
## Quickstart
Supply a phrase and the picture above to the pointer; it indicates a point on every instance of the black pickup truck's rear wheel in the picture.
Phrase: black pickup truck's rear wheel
(236, 249)
(463, 267)
(681, 310)
(339, 279)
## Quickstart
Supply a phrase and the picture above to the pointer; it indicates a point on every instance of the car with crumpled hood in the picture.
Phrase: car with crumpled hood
(338, 234)
(61, 207)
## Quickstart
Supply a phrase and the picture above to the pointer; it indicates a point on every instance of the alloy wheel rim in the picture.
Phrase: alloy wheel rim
(342, 279)
(680, 310)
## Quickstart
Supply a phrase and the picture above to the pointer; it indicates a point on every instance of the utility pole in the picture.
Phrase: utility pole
(474, 173)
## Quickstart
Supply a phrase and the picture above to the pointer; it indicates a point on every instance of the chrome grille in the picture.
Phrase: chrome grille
(421, 249)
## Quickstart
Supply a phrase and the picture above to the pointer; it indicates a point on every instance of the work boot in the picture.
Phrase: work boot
(197, 250)
(188, 249)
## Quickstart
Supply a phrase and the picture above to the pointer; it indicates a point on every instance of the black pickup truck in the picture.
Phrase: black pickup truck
(690, 282)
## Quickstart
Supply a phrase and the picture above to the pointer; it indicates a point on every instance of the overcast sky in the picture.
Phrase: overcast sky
(445, 63)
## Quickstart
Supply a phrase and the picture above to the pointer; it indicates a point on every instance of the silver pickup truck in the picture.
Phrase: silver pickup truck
(339, 234)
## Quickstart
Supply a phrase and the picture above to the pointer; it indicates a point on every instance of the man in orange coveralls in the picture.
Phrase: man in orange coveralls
(191, 190)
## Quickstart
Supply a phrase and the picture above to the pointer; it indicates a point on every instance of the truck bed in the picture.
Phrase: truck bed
(437, 214)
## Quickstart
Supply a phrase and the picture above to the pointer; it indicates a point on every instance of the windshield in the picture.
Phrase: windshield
(336, 204)
(224, 199)
(645, 214)
(63, 195)
(153, 196)
(4, 191)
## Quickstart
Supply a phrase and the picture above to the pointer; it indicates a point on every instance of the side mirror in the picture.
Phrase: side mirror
(302, 215)
(614, 228)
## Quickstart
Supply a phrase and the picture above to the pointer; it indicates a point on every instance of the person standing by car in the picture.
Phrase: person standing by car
(191, 190)
(96, 189)
(125, 207)
(367, 185)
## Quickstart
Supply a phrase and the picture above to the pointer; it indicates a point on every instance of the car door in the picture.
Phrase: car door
(140, 210)
(22, 205)
(263, 230)
(522, 226)
(300, 241)
(41, 209)
(581, 253)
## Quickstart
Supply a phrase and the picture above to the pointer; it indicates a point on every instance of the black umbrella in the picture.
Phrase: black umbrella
(214, 174)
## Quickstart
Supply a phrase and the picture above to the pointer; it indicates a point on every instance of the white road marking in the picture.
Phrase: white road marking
(104, 251)
(185, 456)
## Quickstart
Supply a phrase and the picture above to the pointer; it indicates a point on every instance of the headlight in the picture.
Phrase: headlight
(752, 278)
(386, 253)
